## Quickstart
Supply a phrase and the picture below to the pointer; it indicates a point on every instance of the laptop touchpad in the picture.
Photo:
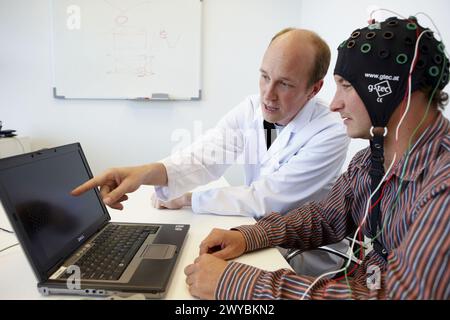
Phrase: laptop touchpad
(159, 251)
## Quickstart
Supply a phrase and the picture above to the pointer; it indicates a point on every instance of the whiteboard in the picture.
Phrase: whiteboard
(126, 49)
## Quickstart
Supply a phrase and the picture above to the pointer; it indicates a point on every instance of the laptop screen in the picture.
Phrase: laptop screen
(53, 222)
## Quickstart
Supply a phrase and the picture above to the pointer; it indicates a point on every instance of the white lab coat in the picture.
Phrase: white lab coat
(301, 165)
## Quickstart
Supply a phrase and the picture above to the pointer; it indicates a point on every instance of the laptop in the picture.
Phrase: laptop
(70, 242)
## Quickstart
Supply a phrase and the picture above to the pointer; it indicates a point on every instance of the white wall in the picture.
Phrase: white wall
(116, 133)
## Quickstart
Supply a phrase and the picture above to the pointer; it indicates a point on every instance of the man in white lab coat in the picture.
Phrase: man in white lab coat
(295, 160)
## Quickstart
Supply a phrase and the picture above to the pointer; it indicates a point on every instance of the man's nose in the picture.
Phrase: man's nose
(336, 105)
(270, 93)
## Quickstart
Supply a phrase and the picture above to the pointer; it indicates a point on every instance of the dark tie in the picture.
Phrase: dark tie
(269, 129)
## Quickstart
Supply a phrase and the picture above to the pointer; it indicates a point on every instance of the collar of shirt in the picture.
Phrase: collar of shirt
(424, 150)
(302, 118)
(279, 128)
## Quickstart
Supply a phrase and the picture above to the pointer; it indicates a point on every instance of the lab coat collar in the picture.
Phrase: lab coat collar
(301, 120)
(303, 117)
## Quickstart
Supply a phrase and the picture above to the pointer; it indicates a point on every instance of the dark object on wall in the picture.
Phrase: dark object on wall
(6, 133)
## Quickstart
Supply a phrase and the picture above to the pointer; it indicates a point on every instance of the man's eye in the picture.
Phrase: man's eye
(284, 84)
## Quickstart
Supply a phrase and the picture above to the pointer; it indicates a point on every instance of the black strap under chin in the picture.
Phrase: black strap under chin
(376, 174)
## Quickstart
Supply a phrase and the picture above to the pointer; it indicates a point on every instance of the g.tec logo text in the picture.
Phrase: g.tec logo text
(382, 89)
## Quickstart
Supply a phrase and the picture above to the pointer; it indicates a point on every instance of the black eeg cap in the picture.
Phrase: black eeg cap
(376, 60)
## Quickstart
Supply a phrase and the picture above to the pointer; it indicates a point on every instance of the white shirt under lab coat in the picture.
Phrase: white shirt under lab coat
(301, 165)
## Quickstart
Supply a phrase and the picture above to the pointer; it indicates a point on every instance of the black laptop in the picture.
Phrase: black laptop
(70, 242)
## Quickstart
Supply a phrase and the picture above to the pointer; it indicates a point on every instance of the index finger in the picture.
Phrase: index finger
(88, 185)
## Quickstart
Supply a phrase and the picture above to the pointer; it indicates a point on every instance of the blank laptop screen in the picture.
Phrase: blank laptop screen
(54, 221)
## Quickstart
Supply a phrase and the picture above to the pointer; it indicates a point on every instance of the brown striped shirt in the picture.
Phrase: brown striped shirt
(416, 232)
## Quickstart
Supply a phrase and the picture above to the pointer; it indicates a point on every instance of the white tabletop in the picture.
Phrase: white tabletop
(17, 280)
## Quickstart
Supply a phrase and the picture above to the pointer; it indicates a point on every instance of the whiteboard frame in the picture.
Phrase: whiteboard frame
(154, 96)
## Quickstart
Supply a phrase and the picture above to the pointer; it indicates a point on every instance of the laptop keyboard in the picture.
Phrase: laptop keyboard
(112, 251)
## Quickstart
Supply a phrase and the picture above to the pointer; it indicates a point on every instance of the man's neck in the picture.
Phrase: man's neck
(417, 120)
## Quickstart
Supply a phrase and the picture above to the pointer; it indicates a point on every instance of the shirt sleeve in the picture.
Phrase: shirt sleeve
(308, 175)
(243, 282)
(206, 159)
(417, 269)
(310, 226)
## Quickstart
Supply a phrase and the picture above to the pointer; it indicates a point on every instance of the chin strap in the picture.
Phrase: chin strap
(376, 174)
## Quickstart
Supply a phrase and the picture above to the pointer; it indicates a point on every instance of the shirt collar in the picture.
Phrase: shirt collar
(424, 150)
(302, 118)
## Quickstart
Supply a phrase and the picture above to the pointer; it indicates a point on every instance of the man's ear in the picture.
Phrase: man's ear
(315, 89)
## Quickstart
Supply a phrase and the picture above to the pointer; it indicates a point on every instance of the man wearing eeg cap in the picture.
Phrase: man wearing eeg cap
(381, 56)
(389, 78)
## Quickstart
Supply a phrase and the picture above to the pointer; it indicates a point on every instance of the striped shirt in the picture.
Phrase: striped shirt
(416, 232)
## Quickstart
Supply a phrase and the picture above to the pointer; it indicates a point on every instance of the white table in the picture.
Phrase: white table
(17, 280)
